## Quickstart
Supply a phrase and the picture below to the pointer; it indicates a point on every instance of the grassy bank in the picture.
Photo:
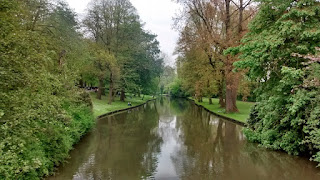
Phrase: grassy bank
(242, 116)
(101, 107)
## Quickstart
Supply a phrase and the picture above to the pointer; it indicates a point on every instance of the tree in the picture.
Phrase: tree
(287, 115)
(116, 26)
(213, 26)
(198, 78)
(104, 63)
(166, 78)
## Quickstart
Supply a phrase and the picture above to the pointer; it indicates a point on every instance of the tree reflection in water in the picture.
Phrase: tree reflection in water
(174, 139)
(123, 146)
(212, 148)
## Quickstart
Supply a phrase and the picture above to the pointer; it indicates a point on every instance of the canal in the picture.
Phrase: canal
(175, 139)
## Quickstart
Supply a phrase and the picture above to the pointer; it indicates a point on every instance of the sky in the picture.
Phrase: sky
(157, 16)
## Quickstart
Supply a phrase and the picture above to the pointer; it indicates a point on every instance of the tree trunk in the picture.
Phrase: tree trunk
(114, 94)
(231, 89)
(231, 98)
(122, 95)
(222, 102)
(221, 94)
(228, 17)
(103, 92)
(210, 100)
(110, 89)
(81, 83)
(241, 8)
(100, 89)
(230, 77)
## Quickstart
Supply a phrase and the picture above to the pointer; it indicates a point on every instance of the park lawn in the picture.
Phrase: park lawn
(242, 116)
(101, 107)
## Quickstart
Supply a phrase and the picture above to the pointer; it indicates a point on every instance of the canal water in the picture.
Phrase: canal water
(172, 139)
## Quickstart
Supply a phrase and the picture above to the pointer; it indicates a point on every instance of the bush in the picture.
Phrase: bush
(176, 89)
(32, 147)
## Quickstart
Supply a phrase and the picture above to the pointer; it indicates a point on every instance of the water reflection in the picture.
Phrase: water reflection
(174, 139)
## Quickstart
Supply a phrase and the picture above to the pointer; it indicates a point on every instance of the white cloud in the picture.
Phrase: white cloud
(157, 14)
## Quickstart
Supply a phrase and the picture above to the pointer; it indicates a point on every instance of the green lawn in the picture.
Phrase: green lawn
(101, 107)
(242, 116)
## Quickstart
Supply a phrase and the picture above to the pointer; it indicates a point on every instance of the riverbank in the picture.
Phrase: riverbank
(142, 143)
(101, 107)
(241, 117)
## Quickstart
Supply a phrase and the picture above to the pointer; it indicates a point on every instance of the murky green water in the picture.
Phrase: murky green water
(174, 139)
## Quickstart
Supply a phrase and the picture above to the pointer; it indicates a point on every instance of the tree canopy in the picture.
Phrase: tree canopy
(116, 27)
(280, 53)
(207, 28)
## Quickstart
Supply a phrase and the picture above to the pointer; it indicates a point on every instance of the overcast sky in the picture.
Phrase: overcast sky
(157, 14)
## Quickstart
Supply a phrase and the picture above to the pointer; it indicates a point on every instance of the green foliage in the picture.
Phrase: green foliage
(281, 37)
(42, 114)
(251, 136)
(198, 77)
(116, 26)
(167, 77)
(31, 148)
(176, 89)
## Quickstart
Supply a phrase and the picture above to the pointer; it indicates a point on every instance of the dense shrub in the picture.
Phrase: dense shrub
(280, 53)
(37, 140)
(176, 89)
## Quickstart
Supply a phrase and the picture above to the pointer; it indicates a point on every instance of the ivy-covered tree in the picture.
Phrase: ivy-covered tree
(287, 114)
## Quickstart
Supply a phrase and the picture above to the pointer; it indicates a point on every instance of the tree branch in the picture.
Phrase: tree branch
(235, 4)
(247, 4)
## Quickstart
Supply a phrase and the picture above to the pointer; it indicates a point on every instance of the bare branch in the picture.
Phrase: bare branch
(235, 4)
(247, 4)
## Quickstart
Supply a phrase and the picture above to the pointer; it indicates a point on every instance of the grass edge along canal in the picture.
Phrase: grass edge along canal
(101, 107)
(241, 116)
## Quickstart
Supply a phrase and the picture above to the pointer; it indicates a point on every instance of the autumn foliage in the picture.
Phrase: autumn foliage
(207, 28)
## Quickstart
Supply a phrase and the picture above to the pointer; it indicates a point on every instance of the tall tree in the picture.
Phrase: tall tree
(104, 63)
(217, 25)
(116, 26)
